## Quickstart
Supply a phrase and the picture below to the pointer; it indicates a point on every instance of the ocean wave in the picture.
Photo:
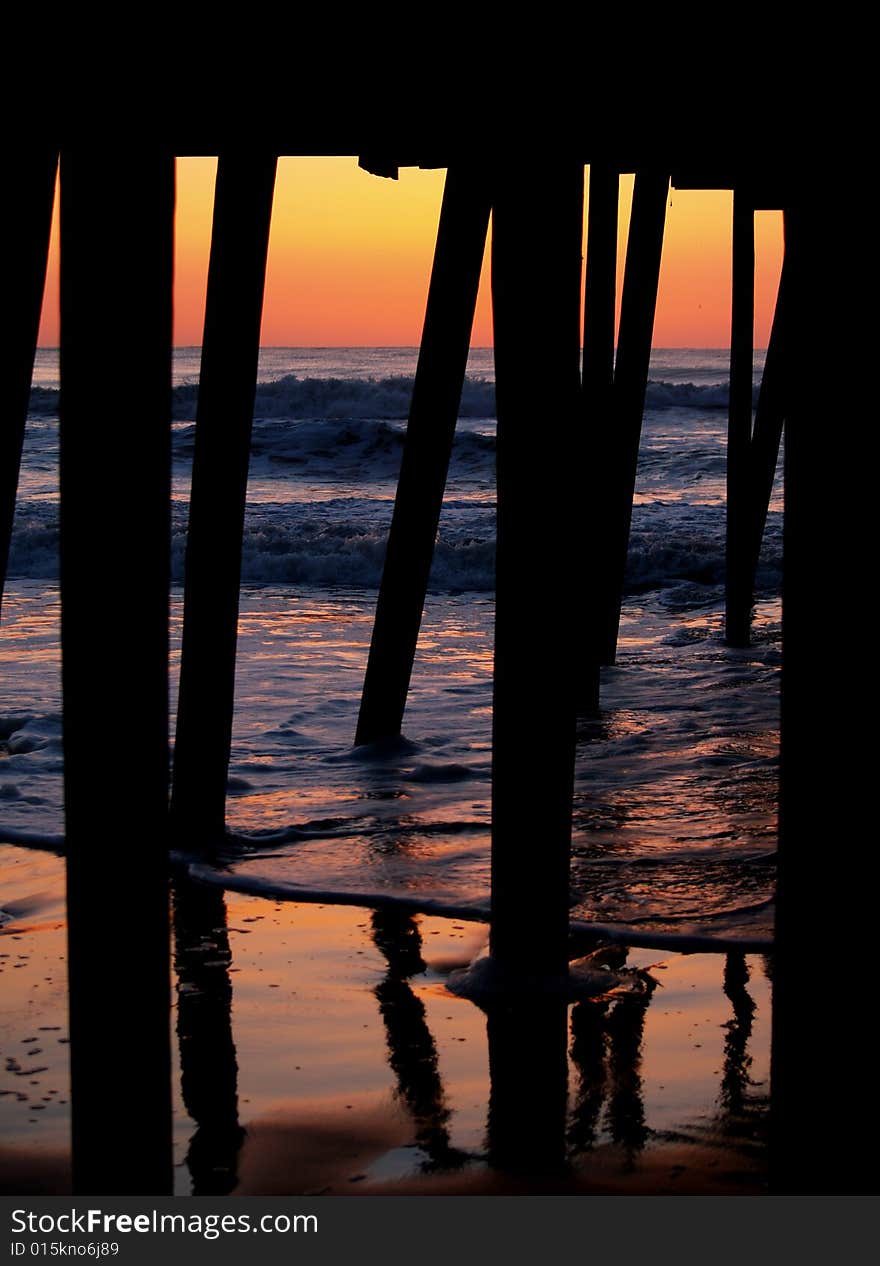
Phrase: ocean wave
(688, 395)
(344, 450)
(348, 555)
(342, 544)
(295, 397)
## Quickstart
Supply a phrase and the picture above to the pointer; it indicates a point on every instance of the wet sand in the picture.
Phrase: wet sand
(317, 1050)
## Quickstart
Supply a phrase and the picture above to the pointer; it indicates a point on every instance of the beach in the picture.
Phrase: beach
(311, 1058)
(312, 951)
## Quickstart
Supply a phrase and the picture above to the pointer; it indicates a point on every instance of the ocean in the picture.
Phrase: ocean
(676, 782)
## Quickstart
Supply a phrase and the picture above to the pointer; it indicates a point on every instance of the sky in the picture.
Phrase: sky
(350, 259)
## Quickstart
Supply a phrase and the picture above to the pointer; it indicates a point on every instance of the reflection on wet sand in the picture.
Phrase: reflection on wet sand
(528, 1069)
(208, 1063)
(626, 1108)
(535, 1131)
(589, 1044)
(737, 1061)
(606, 1050)
(742, 1111)
(412, 1053)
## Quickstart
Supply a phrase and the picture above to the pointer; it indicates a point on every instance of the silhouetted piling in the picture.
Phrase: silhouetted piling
(440, 373)
(638, 304)
(30, 192)
(600, 289)
(767, 432)
(824, 1088)
(227, 387)
(738, 583)
(536, 271)
(117, 211)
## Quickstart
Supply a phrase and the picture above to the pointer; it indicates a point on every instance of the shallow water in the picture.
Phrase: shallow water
(675, 804)
(674, 812)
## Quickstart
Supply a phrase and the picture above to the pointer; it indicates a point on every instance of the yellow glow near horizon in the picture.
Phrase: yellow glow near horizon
(350, 258)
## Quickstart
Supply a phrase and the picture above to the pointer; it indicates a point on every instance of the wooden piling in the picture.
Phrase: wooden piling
(536, 277)
(600, 288)
(825, 1096)
(117, 211)
(738, 583)
(767, 431)
(440, 373)
(30, 184)
(227, 387)
(638, 304)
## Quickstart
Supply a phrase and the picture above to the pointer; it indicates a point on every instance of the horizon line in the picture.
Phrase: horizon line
(412, 347)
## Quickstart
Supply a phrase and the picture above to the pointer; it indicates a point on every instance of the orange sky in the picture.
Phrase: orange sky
(350, 258)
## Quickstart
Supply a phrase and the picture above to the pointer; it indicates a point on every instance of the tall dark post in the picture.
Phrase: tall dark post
(600, 290)
(767, 432)
(738, 595)
(227, 386)
(30, 185)
(825, 1106)
(638, 304)
(536, 273)
(117, 211)
(452, 297)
